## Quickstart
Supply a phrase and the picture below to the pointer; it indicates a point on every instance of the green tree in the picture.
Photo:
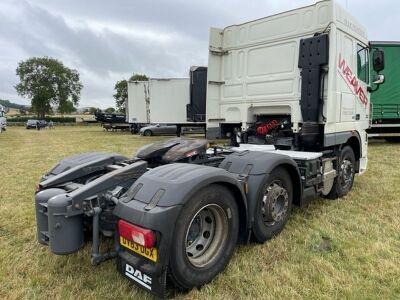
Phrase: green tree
(66, 107)
(47, 81)
(94, 110)
(121, 88)
(110, 110)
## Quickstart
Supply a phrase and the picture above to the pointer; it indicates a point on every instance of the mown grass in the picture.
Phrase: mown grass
(348, 248)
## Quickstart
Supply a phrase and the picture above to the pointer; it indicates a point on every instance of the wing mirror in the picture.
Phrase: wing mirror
(378, 60)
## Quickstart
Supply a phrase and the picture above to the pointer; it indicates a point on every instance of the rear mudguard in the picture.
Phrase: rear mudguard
(256, 166)
(155, 202)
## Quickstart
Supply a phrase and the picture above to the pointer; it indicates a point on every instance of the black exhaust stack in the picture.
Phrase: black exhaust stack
(313, 55)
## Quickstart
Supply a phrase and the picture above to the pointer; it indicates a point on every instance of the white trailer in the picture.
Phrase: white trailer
(157, 101)
(160, 101)
(3, 120)
(173, 101)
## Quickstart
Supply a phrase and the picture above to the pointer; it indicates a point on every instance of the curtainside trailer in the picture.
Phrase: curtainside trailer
(385, 101)
(292, 93)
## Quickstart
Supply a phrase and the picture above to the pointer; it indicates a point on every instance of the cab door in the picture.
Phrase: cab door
(363, 76)
(346, 71)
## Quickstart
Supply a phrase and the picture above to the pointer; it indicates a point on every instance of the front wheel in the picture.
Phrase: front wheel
(205, 237)
(345, 178)
(273, 206)
(147, 133)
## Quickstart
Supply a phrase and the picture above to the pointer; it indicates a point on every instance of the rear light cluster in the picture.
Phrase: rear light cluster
(137, 234)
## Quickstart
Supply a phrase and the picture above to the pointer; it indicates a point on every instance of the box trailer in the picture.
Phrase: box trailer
(385, 101)
(289, 92)
(178, 101)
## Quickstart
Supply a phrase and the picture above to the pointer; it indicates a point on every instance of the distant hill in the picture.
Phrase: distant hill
(9, 104)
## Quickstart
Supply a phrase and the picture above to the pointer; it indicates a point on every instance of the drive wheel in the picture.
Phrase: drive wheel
(344, 181)
(205, 237)
(147, 133)
(274, 205)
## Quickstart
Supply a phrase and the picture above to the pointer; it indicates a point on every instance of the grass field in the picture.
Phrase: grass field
(345, 249)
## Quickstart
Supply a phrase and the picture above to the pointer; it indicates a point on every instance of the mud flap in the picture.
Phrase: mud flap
(154, 285)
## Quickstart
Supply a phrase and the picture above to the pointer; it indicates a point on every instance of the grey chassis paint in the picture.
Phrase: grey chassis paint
(60, 217)
(78, 166)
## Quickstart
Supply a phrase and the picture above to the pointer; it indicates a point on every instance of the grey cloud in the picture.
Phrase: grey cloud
(97, 53)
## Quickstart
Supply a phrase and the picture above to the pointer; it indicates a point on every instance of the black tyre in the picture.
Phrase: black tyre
(147, 133)
(205, 237)
(273, 206)
(344, 181)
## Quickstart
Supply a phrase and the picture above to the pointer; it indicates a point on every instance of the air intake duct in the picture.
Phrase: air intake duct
(313, 55)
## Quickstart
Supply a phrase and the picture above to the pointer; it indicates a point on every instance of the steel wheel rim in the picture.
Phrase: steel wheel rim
(205, 235)
(347, 171)
(275, 203)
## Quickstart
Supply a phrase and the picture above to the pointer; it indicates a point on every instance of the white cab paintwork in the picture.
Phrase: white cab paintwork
(253, 70)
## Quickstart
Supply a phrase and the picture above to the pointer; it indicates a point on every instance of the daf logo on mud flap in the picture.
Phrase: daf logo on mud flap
(138, 276)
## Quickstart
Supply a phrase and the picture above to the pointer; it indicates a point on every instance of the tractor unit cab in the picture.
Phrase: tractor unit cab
(3, 120)
(298, 80)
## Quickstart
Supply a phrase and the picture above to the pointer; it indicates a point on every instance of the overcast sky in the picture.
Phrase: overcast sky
(107, 41)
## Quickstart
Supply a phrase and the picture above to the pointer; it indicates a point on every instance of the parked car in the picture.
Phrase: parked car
(42, 123)
(158, 129)
(34, 123)
(31, 124)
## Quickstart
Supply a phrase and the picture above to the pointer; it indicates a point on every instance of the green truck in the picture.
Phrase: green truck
(385, 101)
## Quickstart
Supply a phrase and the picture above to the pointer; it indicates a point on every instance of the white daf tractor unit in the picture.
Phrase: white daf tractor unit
(3, 120)
(299, 80)
(291, 91)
